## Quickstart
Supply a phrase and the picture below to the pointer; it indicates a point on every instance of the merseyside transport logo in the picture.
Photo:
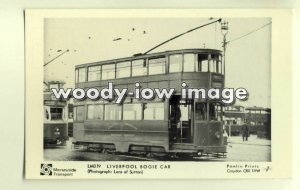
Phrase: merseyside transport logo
(46, 169)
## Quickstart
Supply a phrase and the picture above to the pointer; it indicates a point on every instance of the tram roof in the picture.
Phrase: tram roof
(56, 82)
(143, 56)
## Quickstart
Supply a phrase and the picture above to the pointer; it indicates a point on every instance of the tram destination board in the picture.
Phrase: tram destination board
(168, 94)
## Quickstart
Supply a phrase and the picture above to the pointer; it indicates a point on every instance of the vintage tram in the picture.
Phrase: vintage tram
(258, 120)
(170, 126)
(55, 116)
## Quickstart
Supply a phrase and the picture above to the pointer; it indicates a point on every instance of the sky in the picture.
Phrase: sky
(248, 59)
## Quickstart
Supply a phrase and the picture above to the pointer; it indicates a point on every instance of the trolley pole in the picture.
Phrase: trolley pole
(179, 35)
(224, 30)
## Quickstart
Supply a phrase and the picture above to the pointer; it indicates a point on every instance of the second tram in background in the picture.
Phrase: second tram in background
(257, 119)
(55, 117)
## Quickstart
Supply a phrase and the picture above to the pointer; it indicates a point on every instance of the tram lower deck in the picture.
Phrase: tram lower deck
(184, 134)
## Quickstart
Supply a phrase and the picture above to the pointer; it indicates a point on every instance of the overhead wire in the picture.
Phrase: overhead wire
(251, 32)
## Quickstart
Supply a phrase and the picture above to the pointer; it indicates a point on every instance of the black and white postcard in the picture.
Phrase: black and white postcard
(157, 94)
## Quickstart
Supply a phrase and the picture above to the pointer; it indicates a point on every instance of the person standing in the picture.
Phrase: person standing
(245, 132)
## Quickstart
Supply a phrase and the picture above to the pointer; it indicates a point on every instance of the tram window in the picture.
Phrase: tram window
(113, 112)
(95, 111)
(55, 86)
(157, 66)
(201, 111)
(108, 72)
(75, 114)
(212, 65)
(175, 63)
(189, 63)
(76, 75)
(123, 70)
(94, 73)
(154, 111)
(213, 113)
(56, 113)
(132, 111)
(81, 75)
(203, 63)
(79, 113)
(219, 67)
(139, 67)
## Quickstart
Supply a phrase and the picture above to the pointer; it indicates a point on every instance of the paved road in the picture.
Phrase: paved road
(253, 150)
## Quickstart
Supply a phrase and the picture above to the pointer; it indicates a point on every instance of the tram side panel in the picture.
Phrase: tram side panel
(123, 134)
(208, 136)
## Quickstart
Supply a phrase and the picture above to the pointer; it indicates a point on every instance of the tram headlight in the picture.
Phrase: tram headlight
(218, 135)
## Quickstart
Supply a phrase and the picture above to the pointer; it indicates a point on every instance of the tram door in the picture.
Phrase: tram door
(181, 130)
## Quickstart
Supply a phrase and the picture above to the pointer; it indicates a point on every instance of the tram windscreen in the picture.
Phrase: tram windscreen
(132, 111)
(214, 111)
(56, 113)
(209, 63)
(94, 73)
(175, 64)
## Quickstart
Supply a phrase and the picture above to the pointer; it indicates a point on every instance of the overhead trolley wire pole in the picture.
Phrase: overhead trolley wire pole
(224, 30)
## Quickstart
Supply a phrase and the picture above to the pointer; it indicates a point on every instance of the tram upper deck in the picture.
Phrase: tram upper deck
(198, 68)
